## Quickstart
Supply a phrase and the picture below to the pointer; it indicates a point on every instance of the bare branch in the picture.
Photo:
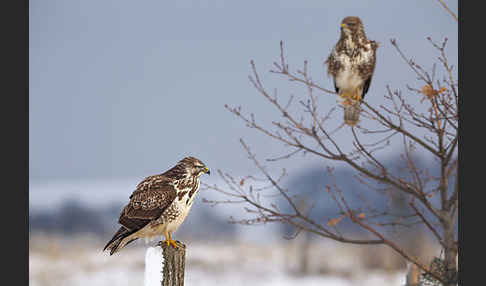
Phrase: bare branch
(305, 126)
(448, 10)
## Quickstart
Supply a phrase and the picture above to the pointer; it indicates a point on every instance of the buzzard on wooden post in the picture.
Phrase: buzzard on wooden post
(159, 205)
(351, 64)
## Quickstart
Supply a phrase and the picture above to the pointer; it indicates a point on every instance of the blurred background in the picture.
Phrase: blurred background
(120, 90)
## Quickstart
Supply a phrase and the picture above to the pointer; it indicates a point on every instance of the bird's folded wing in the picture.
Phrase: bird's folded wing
(146, 205)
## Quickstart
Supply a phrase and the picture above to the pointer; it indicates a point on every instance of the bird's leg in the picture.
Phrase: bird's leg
(169, 241)
(357, 94)
(344, 94)
(166, 235)
(346, 98)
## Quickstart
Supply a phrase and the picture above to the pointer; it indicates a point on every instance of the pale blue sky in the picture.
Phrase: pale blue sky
(127, 88)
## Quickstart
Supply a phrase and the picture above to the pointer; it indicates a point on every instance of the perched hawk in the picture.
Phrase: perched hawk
(351, 64)
(159, 204)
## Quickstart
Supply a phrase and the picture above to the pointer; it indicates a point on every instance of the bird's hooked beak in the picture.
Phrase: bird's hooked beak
(207, 171)
(345, 28)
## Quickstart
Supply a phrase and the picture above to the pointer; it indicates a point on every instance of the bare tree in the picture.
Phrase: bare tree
(423, 122)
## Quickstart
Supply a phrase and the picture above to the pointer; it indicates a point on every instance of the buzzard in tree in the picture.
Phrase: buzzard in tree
(351, 64)
(159, 204)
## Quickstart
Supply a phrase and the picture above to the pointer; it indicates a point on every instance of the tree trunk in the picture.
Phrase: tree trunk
(450, 253)
(412, 278)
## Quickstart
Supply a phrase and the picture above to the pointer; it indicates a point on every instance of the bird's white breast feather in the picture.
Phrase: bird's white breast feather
(348, 77)
(184, 211)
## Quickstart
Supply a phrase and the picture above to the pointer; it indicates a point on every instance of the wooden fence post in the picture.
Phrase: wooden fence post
(174, 264)
(165, 265)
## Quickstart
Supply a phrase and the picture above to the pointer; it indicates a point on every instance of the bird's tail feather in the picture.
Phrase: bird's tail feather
(351, 113)
(118, 240)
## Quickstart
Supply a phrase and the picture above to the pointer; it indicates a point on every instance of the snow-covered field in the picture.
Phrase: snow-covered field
(257, 256)
(79, 261)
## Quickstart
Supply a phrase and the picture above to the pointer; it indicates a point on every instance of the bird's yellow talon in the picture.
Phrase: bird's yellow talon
(353, 95)
(171, 242)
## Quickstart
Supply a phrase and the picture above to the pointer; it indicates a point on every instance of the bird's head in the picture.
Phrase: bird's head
(351, 25)
(194, 166)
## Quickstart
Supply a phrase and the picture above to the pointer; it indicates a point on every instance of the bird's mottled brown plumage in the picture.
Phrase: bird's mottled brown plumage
(159, 204)
(351, 64)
